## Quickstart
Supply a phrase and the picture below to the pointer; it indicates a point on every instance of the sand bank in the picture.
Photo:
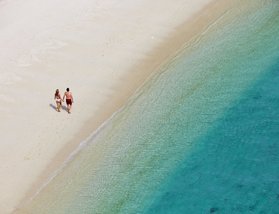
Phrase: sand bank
(102, 50)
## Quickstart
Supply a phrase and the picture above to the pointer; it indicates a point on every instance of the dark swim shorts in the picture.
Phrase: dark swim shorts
(69, 101)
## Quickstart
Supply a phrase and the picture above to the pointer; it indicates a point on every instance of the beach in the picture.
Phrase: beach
(175, 106)
(102, 50)
(199, 135)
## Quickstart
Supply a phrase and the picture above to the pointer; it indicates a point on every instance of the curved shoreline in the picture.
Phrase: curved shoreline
(145, 68)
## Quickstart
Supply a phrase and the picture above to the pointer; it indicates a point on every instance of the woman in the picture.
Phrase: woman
(58, 100)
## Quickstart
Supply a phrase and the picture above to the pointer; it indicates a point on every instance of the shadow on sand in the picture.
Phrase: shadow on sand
(62, 107)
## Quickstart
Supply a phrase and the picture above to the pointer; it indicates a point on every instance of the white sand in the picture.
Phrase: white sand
(90, 46)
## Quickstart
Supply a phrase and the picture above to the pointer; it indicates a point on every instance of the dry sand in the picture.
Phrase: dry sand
(102, 49)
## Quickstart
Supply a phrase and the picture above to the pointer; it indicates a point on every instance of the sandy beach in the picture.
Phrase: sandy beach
(102, 50)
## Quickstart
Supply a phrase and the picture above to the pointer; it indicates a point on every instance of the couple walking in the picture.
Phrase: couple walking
(59, 100)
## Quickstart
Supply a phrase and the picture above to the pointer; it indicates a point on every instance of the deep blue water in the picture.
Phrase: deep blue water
(234, 168)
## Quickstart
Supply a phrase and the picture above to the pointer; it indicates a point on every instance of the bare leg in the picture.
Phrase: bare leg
(57, 106)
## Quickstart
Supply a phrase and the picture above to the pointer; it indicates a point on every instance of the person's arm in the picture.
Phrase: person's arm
(64, 96)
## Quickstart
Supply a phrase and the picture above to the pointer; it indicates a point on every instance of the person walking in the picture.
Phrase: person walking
(58, 100)
(69, 99)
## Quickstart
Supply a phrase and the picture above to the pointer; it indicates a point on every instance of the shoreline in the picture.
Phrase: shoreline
(145, 69)
(157, 59)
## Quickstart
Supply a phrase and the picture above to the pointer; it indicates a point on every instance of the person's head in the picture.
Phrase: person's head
(68, 89)
(57, 92)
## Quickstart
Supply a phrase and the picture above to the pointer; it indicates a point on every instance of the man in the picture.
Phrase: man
(69, 99)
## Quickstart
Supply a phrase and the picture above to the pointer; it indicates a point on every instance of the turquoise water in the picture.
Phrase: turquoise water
(234, 168)
(201, 136)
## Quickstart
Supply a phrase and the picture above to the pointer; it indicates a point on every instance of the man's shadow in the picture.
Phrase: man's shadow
(63, 107)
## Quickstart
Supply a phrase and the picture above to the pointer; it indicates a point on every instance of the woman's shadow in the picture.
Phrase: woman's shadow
(54, 107)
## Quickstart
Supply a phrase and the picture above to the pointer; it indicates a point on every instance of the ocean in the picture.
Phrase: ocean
(200, 136)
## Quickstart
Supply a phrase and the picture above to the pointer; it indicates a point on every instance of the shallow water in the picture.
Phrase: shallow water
(202, 136)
